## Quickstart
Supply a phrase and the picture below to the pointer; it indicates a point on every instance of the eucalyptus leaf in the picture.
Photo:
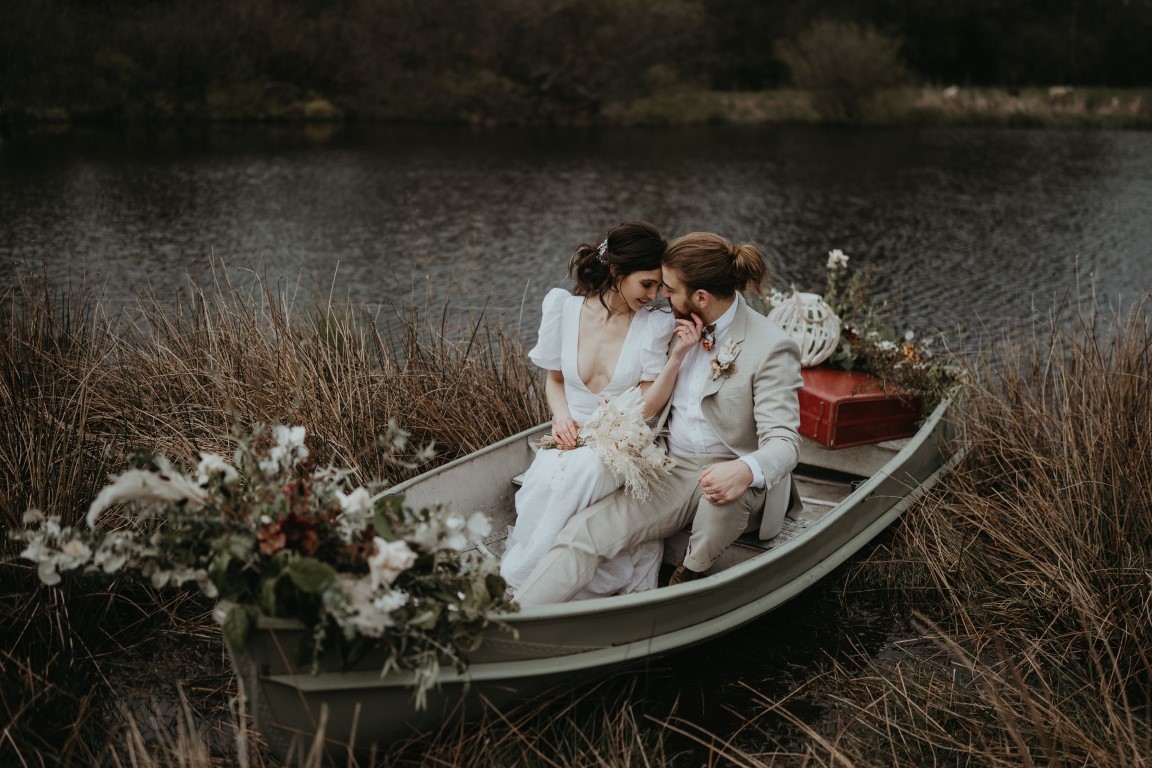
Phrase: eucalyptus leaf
(268, 602)
(218, 569)
(426, 619)
(386, 508)
(310, 575)
(237, 626)
(357, 650)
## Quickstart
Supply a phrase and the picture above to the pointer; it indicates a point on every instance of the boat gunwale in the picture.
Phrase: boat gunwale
(607, 656)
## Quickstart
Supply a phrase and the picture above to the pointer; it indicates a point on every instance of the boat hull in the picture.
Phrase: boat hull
(531, 650)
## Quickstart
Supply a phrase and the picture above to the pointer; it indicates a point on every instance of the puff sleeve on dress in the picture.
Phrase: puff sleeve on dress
(654, 352)
(546, 353)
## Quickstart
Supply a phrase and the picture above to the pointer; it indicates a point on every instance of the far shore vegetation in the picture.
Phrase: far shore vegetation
(1041, 63)
(1017, 590)
(1053, 107)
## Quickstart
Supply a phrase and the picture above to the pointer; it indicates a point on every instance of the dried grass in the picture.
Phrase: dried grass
(80, 390)
(1032, 566)
(1030, 569)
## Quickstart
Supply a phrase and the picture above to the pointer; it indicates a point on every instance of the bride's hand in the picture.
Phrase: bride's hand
(688, 334)
(565, 430)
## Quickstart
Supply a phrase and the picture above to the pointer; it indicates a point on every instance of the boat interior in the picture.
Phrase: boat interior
(825, 477)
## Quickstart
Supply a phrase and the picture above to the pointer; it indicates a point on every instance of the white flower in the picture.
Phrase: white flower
(909, 335)
(211, 466)
(454, 537)
(359, 608)
(149, 488)
(47, 572)
(391, 559)
(727, 353)
(45, 558)
(837, 259)
(887, 346)
(33, 517)
(479, 525)
(113, 552)
(722, 364)
(776, 297)
(71, 555)
(356, 512)
(160, 578)
(289, 437)
(427, 535)
(75, 552)
(288, 451)
(371, 622)
(391, 600)
(358, 503)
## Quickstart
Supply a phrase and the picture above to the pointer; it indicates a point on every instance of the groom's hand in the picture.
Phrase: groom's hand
(726, 481)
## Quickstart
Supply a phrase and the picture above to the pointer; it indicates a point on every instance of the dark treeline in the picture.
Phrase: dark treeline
(519, 60)
(965, 42)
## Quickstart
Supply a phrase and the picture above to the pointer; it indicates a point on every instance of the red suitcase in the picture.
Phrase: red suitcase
(843, 408)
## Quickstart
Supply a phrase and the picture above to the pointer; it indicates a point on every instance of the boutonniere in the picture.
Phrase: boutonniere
(724, 364)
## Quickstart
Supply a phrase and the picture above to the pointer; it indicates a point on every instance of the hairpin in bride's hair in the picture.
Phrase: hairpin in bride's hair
(601, 250)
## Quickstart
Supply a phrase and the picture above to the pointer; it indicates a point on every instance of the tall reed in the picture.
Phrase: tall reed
(1029, 571)
(80, 389)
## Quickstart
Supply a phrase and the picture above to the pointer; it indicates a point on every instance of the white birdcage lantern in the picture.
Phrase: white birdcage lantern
(811, 323)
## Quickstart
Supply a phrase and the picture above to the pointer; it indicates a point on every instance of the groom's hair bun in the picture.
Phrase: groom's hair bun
(709, 262)
(631, 246)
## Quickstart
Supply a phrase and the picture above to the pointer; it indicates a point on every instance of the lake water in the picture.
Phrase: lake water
(969, 228)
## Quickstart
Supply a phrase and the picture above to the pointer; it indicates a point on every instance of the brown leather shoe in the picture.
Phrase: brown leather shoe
(682, 575)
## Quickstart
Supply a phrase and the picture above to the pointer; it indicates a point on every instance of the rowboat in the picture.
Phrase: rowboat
(850, 495)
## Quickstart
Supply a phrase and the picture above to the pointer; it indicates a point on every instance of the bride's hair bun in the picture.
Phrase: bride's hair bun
(631, 246)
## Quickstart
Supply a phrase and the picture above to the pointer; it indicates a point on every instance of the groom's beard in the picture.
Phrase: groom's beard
(690, 308)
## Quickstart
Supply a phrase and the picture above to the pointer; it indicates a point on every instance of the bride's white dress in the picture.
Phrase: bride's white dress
(561, 483)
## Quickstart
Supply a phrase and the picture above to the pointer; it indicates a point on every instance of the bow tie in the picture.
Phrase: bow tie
(708, 337)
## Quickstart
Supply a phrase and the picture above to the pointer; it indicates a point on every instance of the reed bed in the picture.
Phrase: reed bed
(179, 376)
(1028, 575)
(80, 389)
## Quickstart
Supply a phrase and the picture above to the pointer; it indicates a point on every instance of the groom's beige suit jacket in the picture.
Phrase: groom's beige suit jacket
(755, 411)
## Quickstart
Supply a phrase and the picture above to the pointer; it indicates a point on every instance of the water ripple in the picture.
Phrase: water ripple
(968, 227)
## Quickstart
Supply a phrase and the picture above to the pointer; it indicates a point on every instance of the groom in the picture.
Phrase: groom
(731, 426)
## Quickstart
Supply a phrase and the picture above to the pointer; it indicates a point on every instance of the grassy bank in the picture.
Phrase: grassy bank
(1057, 107)
(1100, 108)
(1027, 574)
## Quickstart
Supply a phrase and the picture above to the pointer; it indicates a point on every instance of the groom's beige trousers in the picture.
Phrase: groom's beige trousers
(620, 523)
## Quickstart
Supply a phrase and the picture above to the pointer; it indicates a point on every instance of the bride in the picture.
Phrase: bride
(596, 343)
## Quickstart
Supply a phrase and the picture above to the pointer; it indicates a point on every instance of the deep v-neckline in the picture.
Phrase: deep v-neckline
(619, 357)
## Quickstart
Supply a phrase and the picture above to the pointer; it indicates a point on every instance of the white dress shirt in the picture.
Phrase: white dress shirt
(689, 433)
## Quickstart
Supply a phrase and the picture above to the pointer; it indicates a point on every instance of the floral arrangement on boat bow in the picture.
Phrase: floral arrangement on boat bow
(904, 364)
(275, 536)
